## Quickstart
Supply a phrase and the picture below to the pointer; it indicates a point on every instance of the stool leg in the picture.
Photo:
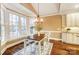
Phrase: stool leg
(39, 46)
(24, 46)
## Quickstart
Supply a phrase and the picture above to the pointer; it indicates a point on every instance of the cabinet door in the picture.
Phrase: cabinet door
(70, 38)
(77, 20)
(68, 20)
(77, 38)
(73, 20)
(74, 39)
(64, 37)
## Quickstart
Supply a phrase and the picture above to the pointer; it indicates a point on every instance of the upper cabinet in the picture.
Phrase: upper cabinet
(72, 20)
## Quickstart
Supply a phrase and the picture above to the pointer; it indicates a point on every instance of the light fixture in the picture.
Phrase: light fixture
(38, 23)
(38, 18)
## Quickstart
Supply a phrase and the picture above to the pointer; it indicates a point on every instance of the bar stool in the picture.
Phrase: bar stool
(29, 46)
(37, 47)
(26, 48)
(28, 37)
(36, 43)
(34, 47)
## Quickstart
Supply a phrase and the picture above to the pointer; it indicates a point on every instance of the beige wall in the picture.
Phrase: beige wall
(52, 23)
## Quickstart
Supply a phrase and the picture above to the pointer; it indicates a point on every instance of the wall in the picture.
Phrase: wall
(52, 23)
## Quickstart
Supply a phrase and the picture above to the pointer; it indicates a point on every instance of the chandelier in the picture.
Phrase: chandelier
(38, 22)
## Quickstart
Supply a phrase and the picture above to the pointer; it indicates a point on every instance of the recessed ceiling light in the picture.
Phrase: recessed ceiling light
(76, 6)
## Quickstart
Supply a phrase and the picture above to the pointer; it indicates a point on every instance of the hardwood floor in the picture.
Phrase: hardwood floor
(13, 49)
(59, 48)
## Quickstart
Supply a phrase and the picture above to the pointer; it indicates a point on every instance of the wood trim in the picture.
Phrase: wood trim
(29, 6)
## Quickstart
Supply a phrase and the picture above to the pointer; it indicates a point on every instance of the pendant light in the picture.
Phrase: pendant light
(38, 18)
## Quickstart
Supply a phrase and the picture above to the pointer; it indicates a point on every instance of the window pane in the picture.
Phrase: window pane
(23, 25)
(32, 30)
(2, 28)
(2, 33)
(14, 19)
(23, 21)
(2, 16)
(11, 18)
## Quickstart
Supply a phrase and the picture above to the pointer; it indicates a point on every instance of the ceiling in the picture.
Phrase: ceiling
(19, 9)
(47, 9)
(69, 8)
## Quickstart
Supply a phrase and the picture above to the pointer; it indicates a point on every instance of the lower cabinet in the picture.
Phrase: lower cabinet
(71, 38)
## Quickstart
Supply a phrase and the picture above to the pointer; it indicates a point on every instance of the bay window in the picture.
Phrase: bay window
(12, 25)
